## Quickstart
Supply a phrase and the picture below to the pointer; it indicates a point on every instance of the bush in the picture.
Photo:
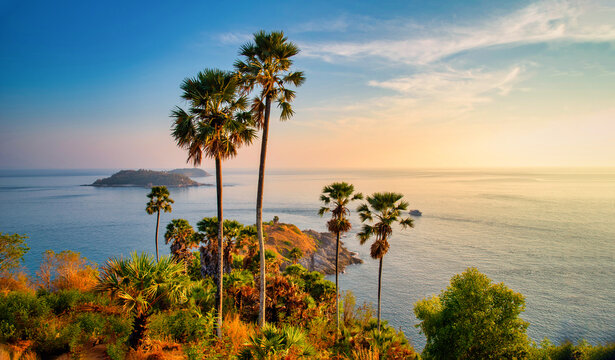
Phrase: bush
(183, 325)
(55, 339)
(66, 270)
(62, 300)
(473, 319)
(117, 350)
(91, 324)
(21, 314)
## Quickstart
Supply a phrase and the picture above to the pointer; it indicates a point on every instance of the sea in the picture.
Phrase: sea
(547, 233)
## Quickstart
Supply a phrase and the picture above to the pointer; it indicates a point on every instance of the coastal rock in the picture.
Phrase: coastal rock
(323, 259)
(318, 248)
(416, 213)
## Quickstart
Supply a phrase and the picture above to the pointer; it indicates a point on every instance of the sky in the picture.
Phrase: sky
(402, 84)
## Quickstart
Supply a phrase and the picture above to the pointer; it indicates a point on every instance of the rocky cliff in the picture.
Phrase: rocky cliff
(318, 248)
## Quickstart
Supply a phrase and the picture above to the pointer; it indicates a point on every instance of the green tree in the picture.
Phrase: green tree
(295, 254)
(266, 64)
(182, 237)
(158, 200)
(473, 319)
(141, 285)
(336, 198)
(215, 125)
(382, 210)
(12, 250)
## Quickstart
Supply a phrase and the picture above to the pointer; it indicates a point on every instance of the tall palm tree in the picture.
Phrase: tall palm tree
(215, 125)
(336, 197)
(181, 236)
(266, 64)
(382, 210)
(158, 200)
(140, 285)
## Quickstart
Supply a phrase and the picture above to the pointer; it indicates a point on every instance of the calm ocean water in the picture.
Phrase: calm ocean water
(549, 234)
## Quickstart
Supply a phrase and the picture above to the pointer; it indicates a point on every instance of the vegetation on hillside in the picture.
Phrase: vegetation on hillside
(146, 178)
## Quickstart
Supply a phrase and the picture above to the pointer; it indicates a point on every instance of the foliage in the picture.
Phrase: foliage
(12, 250)
(277, 343)
(473, 319)
(159, 200)
(569, 351)
(295, 254)
(182, 237)
(21, 315)
(184, 325)
(66, 270)
(141, 286)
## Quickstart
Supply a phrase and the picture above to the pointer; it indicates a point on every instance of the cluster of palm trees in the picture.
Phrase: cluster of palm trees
(378, 214)
(220, 119)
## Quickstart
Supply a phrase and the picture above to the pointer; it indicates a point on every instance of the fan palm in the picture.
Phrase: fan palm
(382, 210)
(158, 200)
(141, 285)
(181, 235)
(209, 230)
(215, 125)
(266, 64)
(336, 197)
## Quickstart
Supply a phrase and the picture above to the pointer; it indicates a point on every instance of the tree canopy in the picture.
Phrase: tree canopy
(473, 319)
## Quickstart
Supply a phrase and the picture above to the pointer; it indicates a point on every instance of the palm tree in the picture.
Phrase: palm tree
(215, 125)
(140, 285)
(181, 234)
(209, 229)
(158, 200)
(382, 210)
(336, 197)
(267, 65)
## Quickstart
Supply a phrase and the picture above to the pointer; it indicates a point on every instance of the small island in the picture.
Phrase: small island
(190, 172)
(145, 178)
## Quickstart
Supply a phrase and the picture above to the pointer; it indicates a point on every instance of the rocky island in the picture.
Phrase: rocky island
(146, 178)
(190, 172)
(318, 248)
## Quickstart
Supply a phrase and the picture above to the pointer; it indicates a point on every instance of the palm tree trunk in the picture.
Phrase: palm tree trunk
(157, 224)
(379, 288)
(139, 329)
(337, 294)
(259, 212)
(220, 246)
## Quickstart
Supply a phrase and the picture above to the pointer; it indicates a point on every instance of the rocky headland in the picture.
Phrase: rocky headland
(318, 248)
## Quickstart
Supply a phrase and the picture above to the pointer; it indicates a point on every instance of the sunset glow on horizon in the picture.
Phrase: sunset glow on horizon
(395, 85)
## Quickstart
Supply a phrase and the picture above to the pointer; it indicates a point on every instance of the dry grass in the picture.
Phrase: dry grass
(17, 351)
(236, 332)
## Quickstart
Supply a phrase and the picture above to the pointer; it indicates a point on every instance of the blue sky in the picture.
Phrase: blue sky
(422, 84)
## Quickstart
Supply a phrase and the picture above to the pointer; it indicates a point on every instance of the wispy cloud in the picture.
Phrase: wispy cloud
(540, 22)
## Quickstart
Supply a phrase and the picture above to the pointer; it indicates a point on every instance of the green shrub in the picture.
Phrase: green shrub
(54, 339)
(117, 350)
(194, 352)
(91, 324)
(62, 300)
(21, 315)
(183, 325)
(473, 319)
